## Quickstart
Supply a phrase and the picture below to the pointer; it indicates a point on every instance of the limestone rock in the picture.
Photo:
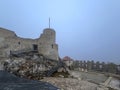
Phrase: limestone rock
(32, 69)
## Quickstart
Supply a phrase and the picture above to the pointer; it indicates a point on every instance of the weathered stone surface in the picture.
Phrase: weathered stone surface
(11, 82)
(45, 44)
(31, 65)
(32, 69)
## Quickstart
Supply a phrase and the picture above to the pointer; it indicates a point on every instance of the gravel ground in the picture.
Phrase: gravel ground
(90, 76)
(70, 83)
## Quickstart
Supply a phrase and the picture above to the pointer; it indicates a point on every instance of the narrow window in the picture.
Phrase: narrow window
(52, 45)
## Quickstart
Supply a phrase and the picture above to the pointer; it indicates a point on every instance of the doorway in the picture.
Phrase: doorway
(35, 47)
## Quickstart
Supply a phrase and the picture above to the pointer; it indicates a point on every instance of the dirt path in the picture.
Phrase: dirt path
(70, 83)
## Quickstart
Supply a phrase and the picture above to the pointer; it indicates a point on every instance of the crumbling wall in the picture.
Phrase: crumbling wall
(9, 41)
(6, 33)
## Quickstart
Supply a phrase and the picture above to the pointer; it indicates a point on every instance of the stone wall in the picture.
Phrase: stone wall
(45, 44)
(6, 33)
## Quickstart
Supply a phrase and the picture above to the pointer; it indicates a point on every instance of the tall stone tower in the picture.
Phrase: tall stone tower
(47, 44)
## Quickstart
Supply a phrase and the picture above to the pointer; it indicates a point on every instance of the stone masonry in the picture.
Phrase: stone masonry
(45, 44)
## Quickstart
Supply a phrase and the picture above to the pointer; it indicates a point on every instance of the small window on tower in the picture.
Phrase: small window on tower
(52, 45)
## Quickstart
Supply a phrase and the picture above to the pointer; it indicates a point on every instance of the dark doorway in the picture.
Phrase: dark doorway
(35, 47)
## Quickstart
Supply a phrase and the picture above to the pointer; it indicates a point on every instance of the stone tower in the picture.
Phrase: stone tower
(47, 45)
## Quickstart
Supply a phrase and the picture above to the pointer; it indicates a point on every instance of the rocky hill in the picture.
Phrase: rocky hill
(30, 65)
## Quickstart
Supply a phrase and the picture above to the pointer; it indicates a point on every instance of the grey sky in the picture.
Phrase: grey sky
(86, 29)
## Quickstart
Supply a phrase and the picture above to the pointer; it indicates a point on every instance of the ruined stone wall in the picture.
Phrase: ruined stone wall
(46, 43)
(17, 43)
(8, 39)
(6, 33)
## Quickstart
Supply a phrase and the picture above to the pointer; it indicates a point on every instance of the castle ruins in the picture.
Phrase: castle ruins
(45, 44)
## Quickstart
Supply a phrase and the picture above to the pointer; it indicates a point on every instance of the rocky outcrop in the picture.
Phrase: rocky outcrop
(32, 65)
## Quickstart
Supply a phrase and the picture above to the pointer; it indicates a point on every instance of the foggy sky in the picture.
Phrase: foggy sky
(85, 29)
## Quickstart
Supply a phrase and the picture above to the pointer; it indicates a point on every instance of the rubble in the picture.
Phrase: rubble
(32, 67)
